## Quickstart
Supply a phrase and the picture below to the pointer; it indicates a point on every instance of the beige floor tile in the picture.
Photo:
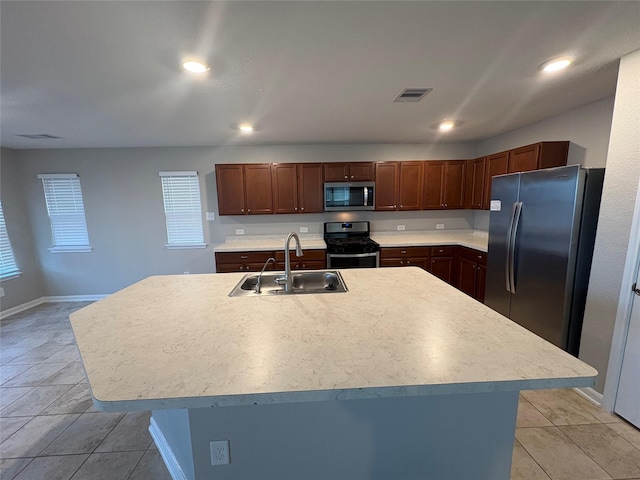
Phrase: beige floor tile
(132, 433)
(52, 468)
(524, 467)
(592, 408)
(151, 467)
(560, 458)
(613, 453)
(84, 435)
(627, 431)
(35, 375)
(558, 406)
(9, 426)
(76, 400)
(31, 439)
(108, 466)
(35, 401)
(10, 467)
(529, 416)
(10, 395)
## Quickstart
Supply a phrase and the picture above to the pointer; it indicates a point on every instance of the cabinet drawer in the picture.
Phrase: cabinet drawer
(446, 251)
(243, 257)
(400, 252)
(474, 255)
(309, 255)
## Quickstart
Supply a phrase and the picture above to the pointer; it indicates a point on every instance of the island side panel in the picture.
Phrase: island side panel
(172, 435)
(464, 436)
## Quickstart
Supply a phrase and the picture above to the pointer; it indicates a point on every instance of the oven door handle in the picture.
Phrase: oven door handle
(352, 255)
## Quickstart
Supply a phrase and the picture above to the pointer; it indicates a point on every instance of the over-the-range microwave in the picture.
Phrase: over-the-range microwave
(343, 196)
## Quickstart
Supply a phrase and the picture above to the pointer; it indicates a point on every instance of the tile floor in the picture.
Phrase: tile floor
(49, 430)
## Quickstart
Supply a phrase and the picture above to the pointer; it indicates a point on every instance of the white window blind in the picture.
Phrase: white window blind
(8, 267)
(182, 209)
(65, 207)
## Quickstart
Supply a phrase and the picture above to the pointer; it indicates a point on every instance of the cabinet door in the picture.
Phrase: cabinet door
(230, 184)
(310, 188)
(442, 267)
(410, 189)
(361, 171)
(421, 262)
(392, 262)
(467, 277)
(453, 183)
(386, 191)
(481, 282)
(257, 180)
(336, 172)
(497, 164)
(284, 185)
(524, 159)
(474, 185)
(433, 185)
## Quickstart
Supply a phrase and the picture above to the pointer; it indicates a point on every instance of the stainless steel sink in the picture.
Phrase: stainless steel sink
(319, 281)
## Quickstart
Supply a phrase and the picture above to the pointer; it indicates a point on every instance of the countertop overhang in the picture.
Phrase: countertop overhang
(181, 342)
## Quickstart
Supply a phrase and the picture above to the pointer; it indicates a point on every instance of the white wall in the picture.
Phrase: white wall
(586, 127)
(616, 215)
(27, 286)
(125, 218)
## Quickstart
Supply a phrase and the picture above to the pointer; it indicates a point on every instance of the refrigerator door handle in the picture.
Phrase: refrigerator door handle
(517, 210)
(507, 263)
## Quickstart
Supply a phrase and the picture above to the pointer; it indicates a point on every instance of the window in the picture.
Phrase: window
(182, 209)
(66, 213)
(8, 267)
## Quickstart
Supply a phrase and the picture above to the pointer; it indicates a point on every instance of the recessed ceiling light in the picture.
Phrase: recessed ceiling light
(195, 66)
(446, 126)
(246, 128)
(556, 64)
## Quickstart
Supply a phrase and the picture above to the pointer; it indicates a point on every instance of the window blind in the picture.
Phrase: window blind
(8, 265)
(182, 209)
(65, 207)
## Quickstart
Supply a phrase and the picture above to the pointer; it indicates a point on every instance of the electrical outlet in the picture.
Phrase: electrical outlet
(185, 273)
(400, 227)
(219, 452)
(304, 229)
(239, 231)
(1, 291)
(439, 226)
(211, 216)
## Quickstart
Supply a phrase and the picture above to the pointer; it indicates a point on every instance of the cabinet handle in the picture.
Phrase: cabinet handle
(395, 206)
(346, 176)
(351, 176)
(446, 205)
(302, 209)
(249, 210)
(296, 209)
(243, 210)
(244, 257)
(401, 262)
(480, 257)
(403, 251)
(401, 205)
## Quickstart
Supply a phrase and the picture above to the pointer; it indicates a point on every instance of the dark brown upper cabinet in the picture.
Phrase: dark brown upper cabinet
(386, 191)
(496, 164)
(244, 189)
(348, 172)
(474, 184)
(284, 185)
(410, 185)
(444, 184)
(310, 188)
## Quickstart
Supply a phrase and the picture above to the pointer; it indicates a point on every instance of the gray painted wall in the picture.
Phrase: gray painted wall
(616, 215)
(125, 218)
(27, 286)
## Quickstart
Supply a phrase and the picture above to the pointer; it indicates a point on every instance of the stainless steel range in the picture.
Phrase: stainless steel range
(349, 245)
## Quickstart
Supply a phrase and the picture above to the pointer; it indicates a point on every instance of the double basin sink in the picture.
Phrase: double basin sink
(320, 281)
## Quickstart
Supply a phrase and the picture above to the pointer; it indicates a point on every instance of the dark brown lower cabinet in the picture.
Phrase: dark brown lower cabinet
(472, 272)
(311, 260)
(242, 261)
(405, 257)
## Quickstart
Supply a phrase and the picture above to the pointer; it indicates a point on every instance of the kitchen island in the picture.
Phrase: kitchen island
(403, 376)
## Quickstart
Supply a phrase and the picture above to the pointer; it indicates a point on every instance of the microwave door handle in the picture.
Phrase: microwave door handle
(366, 196)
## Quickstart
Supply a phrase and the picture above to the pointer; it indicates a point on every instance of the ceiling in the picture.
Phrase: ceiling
(107, 74)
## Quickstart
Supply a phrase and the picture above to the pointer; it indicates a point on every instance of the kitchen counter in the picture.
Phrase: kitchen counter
(476, 239)
(399, 340)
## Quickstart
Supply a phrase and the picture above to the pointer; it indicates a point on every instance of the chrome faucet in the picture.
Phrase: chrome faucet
(287, 280)
(270, 259)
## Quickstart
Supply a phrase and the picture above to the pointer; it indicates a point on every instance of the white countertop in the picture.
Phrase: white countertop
(181, 342)
(476, 239)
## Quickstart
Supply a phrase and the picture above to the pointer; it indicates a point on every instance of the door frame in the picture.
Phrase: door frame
(623, 313)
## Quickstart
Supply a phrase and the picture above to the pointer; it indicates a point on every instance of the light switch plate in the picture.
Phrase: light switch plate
(439, 226)
(211, 216)
(400, 227)
(304, 229)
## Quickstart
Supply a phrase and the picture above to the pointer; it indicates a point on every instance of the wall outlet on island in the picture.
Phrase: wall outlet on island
(239, 231)
(219, 452)
(304, 229)
(400, 227)
(439, 226)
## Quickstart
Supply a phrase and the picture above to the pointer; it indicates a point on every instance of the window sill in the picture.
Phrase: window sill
(186, 246)
(77, 249)
(10, 276)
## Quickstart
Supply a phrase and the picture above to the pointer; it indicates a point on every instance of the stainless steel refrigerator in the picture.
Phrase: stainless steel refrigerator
(542, 227)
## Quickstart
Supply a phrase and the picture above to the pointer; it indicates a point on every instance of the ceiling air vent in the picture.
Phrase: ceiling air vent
(37, 136)
(412, 94)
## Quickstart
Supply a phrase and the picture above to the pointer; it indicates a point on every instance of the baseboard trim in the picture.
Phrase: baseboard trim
(21, 308)
(165, 451)
(590, 394)
(54, 299)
